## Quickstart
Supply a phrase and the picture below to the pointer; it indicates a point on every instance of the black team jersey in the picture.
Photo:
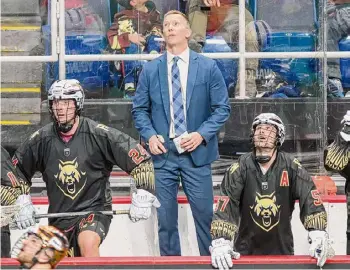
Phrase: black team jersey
(256, 209)
(77, 173)
(11, 184)
(337, 158)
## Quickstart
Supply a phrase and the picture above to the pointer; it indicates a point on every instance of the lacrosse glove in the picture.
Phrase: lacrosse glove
(221, 251)
(26, 215)
(320, 247)
(141, 205)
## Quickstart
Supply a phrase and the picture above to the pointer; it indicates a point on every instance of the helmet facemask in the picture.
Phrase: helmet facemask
(267, 134)
(64, 112)
(265, 142)
(66, 99)
(43, 245)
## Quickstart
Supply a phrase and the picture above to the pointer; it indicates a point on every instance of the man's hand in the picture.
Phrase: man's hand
(320, 247)
(221, 251)
(156, 145)
(192, 141)
(141, 205)
(26, 216)
(137, 39)
(212, 3)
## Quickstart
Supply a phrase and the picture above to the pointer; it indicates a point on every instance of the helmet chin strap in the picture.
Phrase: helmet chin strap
(263, 159)
(66, 127)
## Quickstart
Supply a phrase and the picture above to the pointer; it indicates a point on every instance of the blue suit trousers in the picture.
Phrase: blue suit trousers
(198, 187)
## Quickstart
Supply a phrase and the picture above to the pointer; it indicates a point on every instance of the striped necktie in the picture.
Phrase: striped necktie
(178, 107)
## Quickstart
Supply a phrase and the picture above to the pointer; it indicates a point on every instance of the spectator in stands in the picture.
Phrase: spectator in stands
(180, 104)
(222, 20)
(338, 27)
(134, 31)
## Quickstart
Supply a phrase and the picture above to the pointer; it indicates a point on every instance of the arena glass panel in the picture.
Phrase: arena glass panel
(311, 119)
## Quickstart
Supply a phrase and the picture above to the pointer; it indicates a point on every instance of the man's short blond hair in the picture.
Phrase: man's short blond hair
(176, 12)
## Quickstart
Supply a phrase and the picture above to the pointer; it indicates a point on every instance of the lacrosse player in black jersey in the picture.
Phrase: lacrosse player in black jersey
(258, 193)
(337, 159)
(75, 156)
(13, 190)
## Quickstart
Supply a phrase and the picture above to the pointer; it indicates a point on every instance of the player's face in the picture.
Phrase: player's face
(265, 136)
(32, 247)
(176, 30)
(64, 110)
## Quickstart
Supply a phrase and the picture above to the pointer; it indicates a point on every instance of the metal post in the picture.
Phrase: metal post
(62, 39)
(241, 22)
(235, 55)
(54, 32)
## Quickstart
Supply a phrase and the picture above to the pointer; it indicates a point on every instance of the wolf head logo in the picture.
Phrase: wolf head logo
(265, 212)
(69, 178)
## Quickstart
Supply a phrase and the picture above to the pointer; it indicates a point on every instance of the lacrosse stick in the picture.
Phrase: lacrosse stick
(8, 212)
(83, 213)
(9, 218)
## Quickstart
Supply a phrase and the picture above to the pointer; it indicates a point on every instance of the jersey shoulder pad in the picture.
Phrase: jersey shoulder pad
(234, 167)
(291, 160)
(94, 127)
(42, 132)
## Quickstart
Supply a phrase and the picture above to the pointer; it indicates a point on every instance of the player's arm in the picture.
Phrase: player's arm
(10, 186)
(27, 161)
(123, 151)
(226, 219)
(312, 214)
(336, 155)
(227, 214)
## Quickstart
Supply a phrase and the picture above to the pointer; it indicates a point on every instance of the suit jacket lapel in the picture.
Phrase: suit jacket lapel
(163, 80)
(192, 75)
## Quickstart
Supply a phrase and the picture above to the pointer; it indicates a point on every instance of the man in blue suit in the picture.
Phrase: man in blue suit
(180, 104)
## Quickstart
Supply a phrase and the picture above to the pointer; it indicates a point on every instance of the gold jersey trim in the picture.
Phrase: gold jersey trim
(221, 228)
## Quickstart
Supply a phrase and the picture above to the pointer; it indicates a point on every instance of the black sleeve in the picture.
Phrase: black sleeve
(125, 152)
(8, 172)
(312, 212)
(28, 157)
(11, 184)
(227, 211)
(336, 155)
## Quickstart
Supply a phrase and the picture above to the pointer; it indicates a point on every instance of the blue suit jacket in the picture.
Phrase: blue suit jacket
(206, 100)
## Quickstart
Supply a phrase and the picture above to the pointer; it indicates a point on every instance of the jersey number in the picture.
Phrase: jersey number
(13, 179)
(89, 219)
(317, 198)
(137, 156)
(222, 203)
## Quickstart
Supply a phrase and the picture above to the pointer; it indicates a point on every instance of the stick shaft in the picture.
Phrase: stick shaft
(83, 213)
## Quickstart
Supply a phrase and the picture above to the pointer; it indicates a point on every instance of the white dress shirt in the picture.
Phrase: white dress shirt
(183, 64)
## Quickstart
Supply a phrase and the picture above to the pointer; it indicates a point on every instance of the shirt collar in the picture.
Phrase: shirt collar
(184, 56)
